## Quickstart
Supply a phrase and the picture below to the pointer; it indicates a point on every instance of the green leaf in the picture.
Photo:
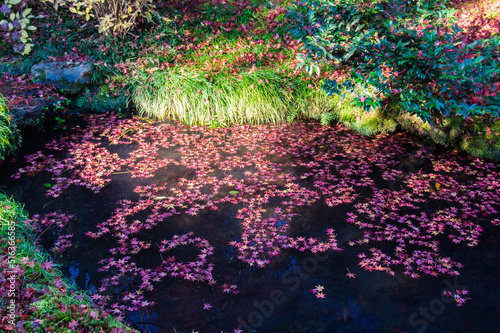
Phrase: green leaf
(233, 192)
(361, 26)
(26, 12)
(47, 185)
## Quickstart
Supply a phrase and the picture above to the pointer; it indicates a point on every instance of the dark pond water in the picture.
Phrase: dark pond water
(259, 228)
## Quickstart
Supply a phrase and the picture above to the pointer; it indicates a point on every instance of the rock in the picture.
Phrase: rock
(25, 116)
(69, 77)
(30, 104)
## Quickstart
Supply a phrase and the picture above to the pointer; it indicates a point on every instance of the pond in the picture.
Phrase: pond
(266, 228)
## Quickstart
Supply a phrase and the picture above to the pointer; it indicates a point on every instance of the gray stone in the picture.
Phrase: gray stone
(70, 77)
(31, 115)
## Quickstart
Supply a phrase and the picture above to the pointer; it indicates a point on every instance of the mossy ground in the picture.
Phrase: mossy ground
(479, 137)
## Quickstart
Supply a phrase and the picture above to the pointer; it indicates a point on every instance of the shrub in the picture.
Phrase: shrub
(114, 17)
(409, 54)
(14, 25)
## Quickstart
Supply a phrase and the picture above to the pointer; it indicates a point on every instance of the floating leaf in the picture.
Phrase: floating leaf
(47, 185)
(435, 186)
(233, 192)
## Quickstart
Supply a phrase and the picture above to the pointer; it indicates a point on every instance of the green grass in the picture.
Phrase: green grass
(263, 96)
(45, 300)
(192, 99)
(9, 137)
(258, 97)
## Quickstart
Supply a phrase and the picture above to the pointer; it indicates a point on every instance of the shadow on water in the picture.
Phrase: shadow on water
(276, 298)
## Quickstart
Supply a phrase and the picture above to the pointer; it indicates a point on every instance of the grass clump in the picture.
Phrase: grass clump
(193, 99)
(482, 138)
(249, 97)
(9, 137)
(34, 292)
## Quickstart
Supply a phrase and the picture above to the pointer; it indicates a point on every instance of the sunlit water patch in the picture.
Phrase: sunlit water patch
(269, 228)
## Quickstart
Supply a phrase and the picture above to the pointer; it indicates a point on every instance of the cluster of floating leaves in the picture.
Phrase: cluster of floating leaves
(405, 199)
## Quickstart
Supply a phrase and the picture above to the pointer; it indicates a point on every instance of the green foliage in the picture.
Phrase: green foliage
(15, 25)
(9, 137)
(115, 17)
(191, 98)
(409, 53)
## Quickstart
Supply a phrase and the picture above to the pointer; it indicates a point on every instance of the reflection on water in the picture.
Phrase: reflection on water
(248, 228)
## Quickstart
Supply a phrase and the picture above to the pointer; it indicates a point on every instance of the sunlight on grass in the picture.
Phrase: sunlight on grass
(257, 97)
(9, 138)
(250, 98)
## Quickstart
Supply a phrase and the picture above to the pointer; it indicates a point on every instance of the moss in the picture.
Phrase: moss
(372, 123)
(448, 132)
(479, 137)
(482, 148)
(452, 129)
(482, 139)
(46, 305)
(312, 104)
(14, 66)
